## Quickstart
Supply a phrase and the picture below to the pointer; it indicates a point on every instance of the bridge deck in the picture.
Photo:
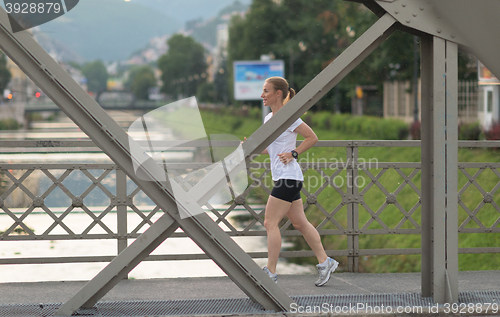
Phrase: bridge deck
(218, 295)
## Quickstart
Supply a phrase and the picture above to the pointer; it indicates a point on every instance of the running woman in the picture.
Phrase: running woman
(285, 197)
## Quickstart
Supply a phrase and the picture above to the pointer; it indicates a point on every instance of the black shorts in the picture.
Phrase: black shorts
(287, 189)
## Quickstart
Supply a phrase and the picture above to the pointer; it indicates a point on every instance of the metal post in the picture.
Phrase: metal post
(451, 172)
(439, 169)
(426, 163)
(121, 209)
(352, 209)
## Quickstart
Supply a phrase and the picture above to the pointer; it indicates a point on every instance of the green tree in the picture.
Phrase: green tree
(221, 83)
(306, 34)
(140, 80)
(97, 76)
(183, 67)
(205, 92)
(309, 34)
(75, 65)
(5, 74)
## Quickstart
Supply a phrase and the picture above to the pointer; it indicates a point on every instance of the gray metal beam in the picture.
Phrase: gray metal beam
(113, 140)
(451, 163)
(119, 268)
(352, 211)
(121, 212)
(439, 169)
(480, 29)
(470, 23)
(303, 101)
(426, 46)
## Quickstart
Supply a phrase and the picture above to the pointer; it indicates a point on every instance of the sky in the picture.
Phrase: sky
(185, 10)
(113, 29)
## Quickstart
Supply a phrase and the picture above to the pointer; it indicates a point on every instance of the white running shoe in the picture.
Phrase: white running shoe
(326, 271)
(273, 277)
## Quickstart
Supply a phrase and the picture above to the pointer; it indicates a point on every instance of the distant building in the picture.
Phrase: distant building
(157, 47)
(399, 101)
(489, 97)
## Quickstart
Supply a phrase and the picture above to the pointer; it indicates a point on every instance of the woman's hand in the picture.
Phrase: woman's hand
(286, 158)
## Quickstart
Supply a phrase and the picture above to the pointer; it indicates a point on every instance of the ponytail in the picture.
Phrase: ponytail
(291, 94)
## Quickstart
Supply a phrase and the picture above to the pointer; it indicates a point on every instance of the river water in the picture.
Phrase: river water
(78, 222)
(86, 271)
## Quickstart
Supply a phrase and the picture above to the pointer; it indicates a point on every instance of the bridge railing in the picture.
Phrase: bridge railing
(49, 105)
(348, 195)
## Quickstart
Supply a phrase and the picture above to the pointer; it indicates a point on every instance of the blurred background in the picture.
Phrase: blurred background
(133, 56)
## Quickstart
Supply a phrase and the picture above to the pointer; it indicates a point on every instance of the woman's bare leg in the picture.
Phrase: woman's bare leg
(298, 218)
(276, 209)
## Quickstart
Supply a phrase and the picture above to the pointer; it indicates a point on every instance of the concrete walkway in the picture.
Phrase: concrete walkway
(223, 287)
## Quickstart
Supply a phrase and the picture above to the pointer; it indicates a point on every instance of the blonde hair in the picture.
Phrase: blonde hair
(280, 83)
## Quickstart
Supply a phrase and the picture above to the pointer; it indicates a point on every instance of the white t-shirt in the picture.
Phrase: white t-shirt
(286, 142)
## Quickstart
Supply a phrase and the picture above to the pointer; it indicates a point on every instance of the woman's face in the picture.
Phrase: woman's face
(269, 95)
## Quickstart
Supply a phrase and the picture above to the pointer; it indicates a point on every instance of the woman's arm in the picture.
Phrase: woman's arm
(310, 139)
(263, 152)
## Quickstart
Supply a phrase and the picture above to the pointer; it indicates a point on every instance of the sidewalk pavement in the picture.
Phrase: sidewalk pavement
(223, 287)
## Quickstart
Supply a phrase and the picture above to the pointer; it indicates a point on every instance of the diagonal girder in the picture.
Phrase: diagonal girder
(118, 269)
(470, 23)
(104, 131)
(113, 140)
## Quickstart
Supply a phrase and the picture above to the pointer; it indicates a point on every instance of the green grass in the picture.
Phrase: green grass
(374, 198)
(9, 124)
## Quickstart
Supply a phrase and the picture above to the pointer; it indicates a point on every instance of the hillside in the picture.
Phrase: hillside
(205, 31)
(57, 48)
(186, 10)
(109, 30)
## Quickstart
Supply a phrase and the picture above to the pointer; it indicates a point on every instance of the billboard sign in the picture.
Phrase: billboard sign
(249, 77)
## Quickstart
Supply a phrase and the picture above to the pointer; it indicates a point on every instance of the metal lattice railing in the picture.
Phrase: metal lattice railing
(351, 198)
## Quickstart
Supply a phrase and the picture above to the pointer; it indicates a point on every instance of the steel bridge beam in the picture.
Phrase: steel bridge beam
(444, 26)
(106, 133)
(439, 169)
(469, 23)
